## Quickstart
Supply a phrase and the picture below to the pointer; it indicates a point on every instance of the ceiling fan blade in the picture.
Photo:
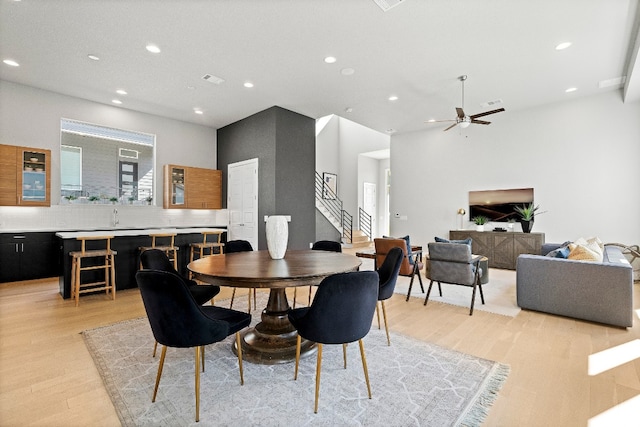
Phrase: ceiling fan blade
(480, 122)
(460, 112)
(438, 121)
(453, 125)
(486, 113)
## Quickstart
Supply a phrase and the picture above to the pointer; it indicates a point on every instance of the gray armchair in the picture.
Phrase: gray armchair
(453, 263)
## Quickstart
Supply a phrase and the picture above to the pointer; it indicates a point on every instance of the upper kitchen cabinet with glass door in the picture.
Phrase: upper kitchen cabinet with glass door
(25, 176)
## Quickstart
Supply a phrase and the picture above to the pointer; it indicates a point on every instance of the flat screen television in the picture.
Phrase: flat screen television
(498, 205)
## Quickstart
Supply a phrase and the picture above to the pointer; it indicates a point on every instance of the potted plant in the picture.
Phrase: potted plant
(113, 200)
(527, 214)
(149, 199)
(480, 221)
(70, 198)
(131, 199)
(94, 199)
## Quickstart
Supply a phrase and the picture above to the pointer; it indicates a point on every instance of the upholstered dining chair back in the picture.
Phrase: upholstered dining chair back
(388, 273)
(233, 246)
(155, 259)
(342, 309)
(451, 263)
(327, 245)
(383, 246)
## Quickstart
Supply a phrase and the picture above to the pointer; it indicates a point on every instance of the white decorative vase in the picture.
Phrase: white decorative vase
(480, 227)
(277, 236)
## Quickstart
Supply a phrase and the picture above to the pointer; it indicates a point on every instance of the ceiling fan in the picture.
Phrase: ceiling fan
(462, 119)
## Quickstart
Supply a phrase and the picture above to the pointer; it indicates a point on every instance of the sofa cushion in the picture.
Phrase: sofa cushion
(561, 252)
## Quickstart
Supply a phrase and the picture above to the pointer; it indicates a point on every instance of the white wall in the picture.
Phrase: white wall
(582, 157)
(31, 117)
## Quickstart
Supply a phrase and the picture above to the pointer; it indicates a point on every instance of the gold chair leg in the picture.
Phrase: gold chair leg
(202, 357)
(364, 367)
(239, 347)
(233, 295)
(160, 365)
(386, 326)
(318, 365)
(378, 315)
(295, 374)
(155, 347)
(344, 354)
(310, 289)
(197, 383)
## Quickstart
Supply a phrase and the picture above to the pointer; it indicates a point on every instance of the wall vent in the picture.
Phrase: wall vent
(385, 5)
(213, 79)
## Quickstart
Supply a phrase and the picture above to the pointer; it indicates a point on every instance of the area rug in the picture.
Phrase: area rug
(499, 293)
(413, 383)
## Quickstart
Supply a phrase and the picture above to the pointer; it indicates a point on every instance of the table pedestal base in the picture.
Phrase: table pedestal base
(273, 340)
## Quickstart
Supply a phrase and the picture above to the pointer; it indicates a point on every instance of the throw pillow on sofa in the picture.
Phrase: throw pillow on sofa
(466, 241)
(591, 249)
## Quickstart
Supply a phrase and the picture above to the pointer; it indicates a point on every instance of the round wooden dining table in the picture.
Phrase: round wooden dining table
(273, 339)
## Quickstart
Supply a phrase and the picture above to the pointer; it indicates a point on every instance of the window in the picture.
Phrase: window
(71, 174)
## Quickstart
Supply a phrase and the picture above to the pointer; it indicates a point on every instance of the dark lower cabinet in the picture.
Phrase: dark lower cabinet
(27, 256)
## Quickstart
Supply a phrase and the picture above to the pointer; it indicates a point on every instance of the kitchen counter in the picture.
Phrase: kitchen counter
(133, 232)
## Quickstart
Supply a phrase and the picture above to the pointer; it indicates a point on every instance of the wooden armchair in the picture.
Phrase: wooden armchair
(411, 264)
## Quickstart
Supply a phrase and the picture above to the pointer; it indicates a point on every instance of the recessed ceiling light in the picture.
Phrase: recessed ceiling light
(191, 87)
(563, 45)
(116, 101)
(571, 89)
(198, 111)
(11, 62)
(248, 84)
(153, 48)
(93, 57)
(431, 121)
(393, 98)
(347, 71)
(121, 92)
(330, 59)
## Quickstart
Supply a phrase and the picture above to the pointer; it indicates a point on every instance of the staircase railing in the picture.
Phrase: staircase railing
(333, 205)
(364, 221)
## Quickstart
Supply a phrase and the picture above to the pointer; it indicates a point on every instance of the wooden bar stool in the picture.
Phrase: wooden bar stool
(205, 246)
(108, 265)
(170, 249)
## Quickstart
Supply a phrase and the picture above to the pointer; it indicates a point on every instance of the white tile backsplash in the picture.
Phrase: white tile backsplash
(96, 217)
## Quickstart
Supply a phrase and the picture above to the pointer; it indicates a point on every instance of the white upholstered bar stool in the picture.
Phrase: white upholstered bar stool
(106, 259)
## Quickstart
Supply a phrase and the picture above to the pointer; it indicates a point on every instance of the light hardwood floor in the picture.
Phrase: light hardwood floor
(48, 378)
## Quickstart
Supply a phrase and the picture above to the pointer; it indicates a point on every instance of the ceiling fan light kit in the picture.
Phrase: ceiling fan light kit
(462, 119)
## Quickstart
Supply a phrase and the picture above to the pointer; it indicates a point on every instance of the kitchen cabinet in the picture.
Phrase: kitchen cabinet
(27, 256)
(192, 188)
(25, 176)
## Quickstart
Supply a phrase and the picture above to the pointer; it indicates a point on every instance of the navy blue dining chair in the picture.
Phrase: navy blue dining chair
(320, 245)
(234, 246)
(341, 312)
(177, 320)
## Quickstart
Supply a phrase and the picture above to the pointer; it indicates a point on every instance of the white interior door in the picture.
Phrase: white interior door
(369, 204)
(242, 201)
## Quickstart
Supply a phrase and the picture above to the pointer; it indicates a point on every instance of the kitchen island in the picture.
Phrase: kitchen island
(126, 242)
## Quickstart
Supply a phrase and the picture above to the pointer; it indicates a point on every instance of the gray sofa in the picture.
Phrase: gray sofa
(597, 291)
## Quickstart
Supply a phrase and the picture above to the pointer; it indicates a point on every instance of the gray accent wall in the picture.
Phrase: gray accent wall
(284, 143)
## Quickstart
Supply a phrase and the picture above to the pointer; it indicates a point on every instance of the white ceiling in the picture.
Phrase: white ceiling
(415, 51)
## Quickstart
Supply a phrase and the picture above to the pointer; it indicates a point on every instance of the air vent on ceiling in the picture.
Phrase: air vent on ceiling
(387, 4)
(213, 79)
(491, 103)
